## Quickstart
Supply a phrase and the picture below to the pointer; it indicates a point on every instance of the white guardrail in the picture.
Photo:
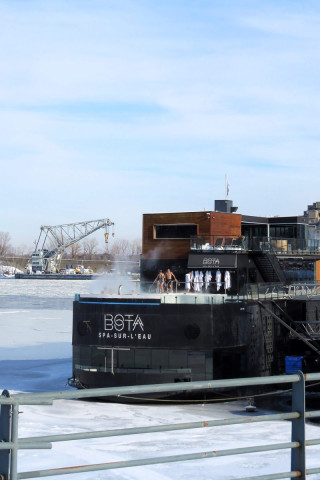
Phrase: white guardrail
(10, 443)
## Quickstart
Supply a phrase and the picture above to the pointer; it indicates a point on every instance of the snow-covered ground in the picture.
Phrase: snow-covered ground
(35, 355)
(7, 270)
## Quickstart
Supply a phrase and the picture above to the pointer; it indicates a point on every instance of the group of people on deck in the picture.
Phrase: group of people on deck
(193, 280)
(165, 281)
(197, 280)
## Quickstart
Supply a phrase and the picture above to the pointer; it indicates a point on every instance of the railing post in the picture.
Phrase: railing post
(5, 436)
(298, 455)
(14, 439)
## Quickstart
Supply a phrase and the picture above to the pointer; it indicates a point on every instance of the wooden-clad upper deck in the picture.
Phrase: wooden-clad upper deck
(206, 223)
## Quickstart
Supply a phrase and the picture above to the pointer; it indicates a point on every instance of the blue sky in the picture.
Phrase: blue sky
(118, 108)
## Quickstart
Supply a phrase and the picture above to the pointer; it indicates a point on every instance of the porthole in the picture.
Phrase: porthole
(192, 331)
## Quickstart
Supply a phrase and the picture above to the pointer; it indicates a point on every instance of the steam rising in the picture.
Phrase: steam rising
(119, 280)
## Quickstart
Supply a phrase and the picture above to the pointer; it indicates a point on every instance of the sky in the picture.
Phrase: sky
(115, 108)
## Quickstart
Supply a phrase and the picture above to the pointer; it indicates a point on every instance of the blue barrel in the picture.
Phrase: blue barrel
(293, 364)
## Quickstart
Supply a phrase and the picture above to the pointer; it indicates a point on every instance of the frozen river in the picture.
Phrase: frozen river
(35, 355)
(36, 329)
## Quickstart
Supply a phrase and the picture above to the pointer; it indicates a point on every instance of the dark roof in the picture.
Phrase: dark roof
(253, 219)
(274, 220)
(287, 220)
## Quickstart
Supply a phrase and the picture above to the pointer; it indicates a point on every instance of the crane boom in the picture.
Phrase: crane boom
(48, 260)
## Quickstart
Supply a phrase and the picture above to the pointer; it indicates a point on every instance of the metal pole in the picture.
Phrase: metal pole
(14, 439)
(5, 436)
(298, 434)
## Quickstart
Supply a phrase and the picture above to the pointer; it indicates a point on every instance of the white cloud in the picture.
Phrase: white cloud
(102, 107)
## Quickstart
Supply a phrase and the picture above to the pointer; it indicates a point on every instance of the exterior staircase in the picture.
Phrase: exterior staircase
(297, 329)
(269, 267)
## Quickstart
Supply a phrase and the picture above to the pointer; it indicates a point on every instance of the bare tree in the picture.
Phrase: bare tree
(136, 246)
(90, 248)
(5, 246)
(22, 251)
(74, 251)
(122, 249)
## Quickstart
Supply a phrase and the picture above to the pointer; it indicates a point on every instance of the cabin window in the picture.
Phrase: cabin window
(76, 354)
(197, 362)
(160, 358)
(98, 358)
(143, 358)
(174, 231)
(178, 359)
(85, 355)
(125, 358)
(209, 365)
(298, 271)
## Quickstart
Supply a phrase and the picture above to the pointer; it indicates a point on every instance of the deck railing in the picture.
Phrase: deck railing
(254, 291)
(11, 443)
(282, 246)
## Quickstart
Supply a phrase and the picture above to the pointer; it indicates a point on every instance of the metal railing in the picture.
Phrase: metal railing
(274, 291)
(254, 291)
(10, 443)
(281, 246)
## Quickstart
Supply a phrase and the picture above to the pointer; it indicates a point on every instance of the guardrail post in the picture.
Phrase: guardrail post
(14, 440)
(5, 436)
(298, 434)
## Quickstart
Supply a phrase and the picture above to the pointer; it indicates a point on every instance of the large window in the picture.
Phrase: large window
(197, 363)
(251, 231)
(283, 231)
(298, 270)
(175, 231)
(298, 231)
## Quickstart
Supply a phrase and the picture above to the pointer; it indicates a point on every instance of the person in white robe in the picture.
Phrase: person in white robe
(196, 286)
(207, 279)
(227, 280)
(218, 280)
(200, 281)
(188, 282)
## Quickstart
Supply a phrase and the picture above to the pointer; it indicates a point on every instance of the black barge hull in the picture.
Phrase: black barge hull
(121, 341)
(53, 276)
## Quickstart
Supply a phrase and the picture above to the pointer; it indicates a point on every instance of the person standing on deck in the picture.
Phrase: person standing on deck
(170, 277)
(188, 282)
(160, 278)
(218, 280)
